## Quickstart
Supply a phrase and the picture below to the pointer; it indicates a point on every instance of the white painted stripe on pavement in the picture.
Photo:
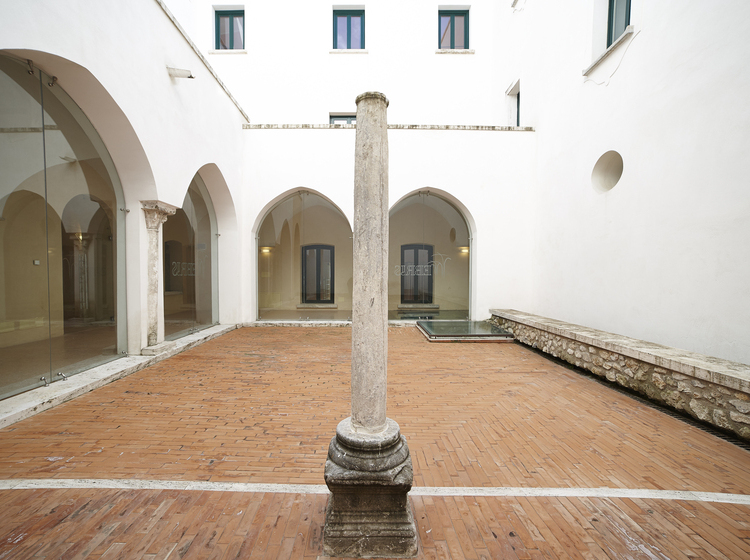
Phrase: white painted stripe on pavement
(131, 484)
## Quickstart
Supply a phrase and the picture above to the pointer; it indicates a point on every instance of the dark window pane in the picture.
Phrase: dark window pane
(445, 32)
(239, 33)
(459, 42)
(311, 293)
(341, 32)
(224, 32)
(356, 37)
(326, 274)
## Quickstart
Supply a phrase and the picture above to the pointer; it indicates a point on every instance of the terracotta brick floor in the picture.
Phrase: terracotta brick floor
(260, 405)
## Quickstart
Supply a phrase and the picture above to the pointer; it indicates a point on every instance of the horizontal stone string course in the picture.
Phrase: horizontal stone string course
(709, 389)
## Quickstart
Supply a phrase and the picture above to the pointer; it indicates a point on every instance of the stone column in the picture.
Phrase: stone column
(156, 214)
(369, 468)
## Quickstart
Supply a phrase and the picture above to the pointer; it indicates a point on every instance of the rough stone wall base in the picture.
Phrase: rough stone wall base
(709, 402)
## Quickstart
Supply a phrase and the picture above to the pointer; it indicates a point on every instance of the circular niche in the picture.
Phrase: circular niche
(607, 171)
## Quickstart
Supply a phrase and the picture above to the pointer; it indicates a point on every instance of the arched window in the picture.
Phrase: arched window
(298, 276)
(428, 260)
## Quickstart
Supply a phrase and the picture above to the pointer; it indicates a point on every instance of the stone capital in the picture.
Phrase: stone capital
(157, 212)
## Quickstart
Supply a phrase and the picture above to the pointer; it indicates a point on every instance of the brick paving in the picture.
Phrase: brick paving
(261, 404)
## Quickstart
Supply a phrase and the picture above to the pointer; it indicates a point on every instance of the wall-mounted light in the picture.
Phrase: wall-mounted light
(463, 249)
(265, 249)
(179, 73)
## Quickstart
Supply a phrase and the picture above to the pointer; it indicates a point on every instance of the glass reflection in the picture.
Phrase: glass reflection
(304, 261)
(188, 290)
(58, 302)
(428, 260)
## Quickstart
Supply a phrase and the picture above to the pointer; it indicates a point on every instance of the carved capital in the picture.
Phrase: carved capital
(156, 213)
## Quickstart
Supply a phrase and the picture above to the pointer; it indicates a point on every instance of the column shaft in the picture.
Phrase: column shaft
(370, 283)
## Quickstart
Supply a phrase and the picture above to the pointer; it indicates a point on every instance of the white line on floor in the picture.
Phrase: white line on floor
(131, 484)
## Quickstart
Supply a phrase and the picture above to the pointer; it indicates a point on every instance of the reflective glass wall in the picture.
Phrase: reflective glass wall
(60, 236)
(304, 261)
(188, 264)
(428, 260)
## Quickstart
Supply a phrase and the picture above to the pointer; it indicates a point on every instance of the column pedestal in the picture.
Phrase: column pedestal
(369, 476)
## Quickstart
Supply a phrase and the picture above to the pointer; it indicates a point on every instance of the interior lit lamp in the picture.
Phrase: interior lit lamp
(265, 249)
(463, 249)
(179, 73)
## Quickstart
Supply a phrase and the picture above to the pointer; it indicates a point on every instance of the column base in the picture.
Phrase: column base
(369, 476)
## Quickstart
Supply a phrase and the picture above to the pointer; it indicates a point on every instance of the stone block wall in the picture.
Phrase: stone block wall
(718, 395)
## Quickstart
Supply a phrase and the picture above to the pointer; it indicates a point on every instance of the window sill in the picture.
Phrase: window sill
(317, 306)
(454, 51)
(227, 51)
(620, 40)
(418, 306)
(348, 51)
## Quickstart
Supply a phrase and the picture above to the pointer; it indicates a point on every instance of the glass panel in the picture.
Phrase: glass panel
(341, 32)
(239, 33)
(460, 41)
(422, 273)
(179, 276)
(224, 32)
(188, 290)
(356, 36)
(445, 32)
(326, 275)
(24, 305)
(58, 297)
(408, 276)
(619, 18)
(311, 277)
(297, 222)
(428, 221)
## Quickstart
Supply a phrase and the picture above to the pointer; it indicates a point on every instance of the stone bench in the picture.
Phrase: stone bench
(710, 389)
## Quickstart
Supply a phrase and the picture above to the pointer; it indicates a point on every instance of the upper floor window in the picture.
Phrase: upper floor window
(230, 29)
(348, 29)
(618, 19)
(453, 29)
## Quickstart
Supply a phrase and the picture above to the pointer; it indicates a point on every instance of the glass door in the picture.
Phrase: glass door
(59, 236)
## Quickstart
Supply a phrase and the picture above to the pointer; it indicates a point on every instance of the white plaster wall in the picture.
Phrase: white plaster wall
(664, 255)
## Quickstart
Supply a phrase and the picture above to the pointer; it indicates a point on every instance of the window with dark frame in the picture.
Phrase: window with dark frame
(416, 273)
(618, 19)
(342, 119)
(317, 274)
(230, 29)
(453, 29)
(348, 29)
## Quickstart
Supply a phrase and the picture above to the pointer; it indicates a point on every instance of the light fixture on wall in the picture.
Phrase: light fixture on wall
(179, 73)
(265, 250)
(463, 249)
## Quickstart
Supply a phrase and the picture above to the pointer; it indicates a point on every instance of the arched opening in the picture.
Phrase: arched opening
(304, 261)
(429, 260)
(190, 264)
(60, 236)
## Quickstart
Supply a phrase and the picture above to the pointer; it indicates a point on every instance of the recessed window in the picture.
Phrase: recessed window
(230, 29)
(416, 273)
(453, 29)
(343, 118)
(618, 19)
(317, 274)
(348, 29)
